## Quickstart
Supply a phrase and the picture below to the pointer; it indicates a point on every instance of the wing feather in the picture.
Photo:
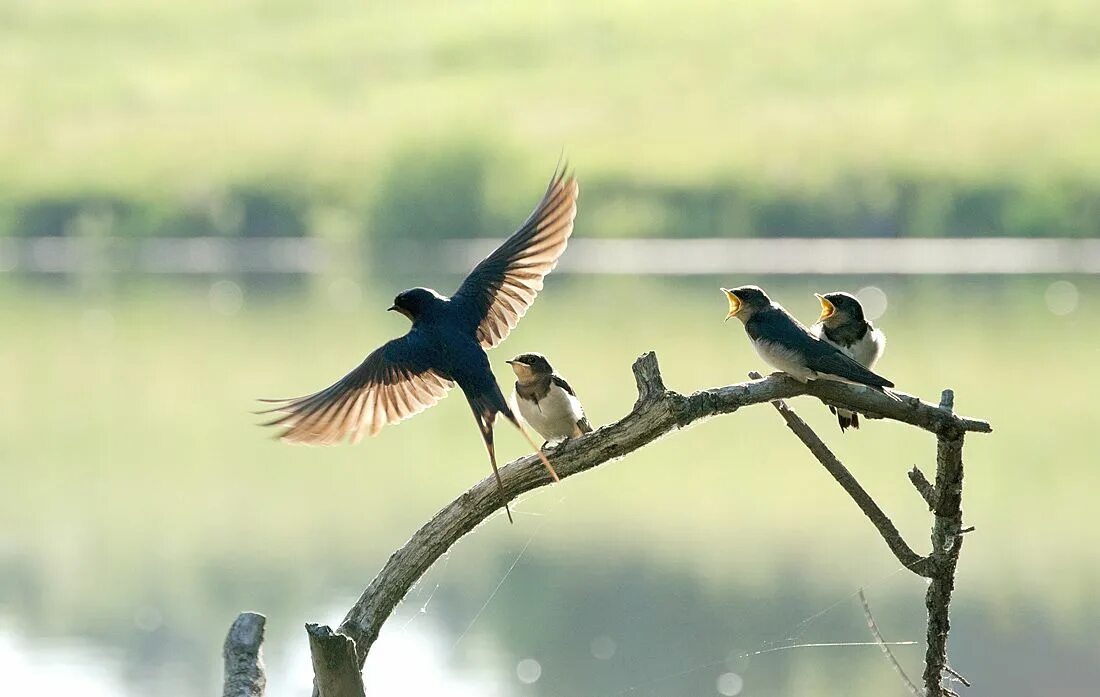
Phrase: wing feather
(501, 288)
(394, 382)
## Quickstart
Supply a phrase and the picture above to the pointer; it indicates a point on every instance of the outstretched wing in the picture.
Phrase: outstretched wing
(393, 383)
(499, 290)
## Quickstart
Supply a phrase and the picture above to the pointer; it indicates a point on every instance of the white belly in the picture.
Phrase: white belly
(784, 359)
(866, 351)
(555, 416)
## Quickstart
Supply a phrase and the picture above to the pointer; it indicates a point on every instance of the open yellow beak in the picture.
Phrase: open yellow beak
(827, 308)
(735, 303)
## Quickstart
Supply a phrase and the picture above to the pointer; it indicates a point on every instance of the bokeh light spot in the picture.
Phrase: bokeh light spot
(226, 298)
(874, 302)
(603, 647)
(528, 671)
(1062, 297)
(730, 684)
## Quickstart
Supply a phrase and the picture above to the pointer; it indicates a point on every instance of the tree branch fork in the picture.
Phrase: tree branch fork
(657, 412)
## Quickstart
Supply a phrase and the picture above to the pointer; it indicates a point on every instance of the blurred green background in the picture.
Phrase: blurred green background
(769, 117)
(142, 508)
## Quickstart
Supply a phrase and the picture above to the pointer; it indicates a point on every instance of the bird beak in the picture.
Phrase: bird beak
(521, 369)
(391, 308)
(735, 303)
(827, 308)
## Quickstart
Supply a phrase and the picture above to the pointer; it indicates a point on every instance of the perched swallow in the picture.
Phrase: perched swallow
(545, 400)
(842, 324)
(446, 343)
(784, 343)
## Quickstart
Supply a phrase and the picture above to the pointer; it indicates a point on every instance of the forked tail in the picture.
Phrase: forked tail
(538, 451)
(486, 406)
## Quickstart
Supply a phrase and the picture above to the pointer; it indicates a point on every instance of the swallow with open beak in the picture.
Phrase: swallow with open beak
(784, 343)
(545, 400)
(843, 325)
(446, 343)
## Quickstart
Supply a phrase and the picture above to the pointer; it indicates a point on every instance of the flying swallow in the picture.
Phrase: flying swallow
(446, 344)
(842, 324)
(545, 400)
(784, 343)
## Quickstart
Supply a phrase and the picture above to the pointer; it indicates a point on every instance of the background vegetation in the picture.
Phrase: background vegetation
(763, 117)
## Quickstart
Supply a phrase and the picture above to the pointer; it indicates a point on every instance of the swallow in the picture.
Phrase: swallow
(446, 343)
(843, 325)
(545, 400)
(784, 343)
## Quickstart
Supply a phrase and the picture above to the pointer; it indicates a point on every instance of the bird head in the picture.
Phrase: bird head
(414, 302)
(529, 365)
(839, 308)
(745, 301)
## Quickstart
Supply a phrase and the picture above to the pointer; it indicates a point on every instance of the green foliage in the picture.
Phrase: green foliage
(891, 117)
(433, 192)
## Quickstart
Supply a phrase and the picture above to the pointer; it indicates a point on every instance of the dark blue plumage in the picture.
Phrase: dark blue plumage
(786, 344)
(447, 341)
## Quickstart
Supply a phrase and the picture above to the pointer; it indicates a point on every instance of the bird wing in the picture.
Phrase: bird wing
(499, 290)
(393, 383)
(560, 382)
(778, 327)
(829, 360)
(582, 424)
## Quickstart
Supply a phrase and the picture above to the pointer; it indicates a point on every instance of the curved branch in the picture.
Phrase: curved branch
(656, 412)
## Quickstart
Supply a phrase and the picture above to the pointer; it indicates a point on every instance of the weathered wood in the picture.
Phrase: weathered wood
(243, 654)
(336, 671)
(923, 486)
(947, 539)
(886, 528)
(656, 412)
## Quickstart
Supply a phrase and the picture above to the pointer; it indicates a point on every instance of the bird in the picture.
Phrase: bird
(545, 400)
(843, 325)
(784, 343)
(446, 344)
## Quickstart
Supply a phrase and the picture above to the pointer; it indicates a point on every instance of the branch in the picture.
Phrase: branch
(873, 627)
(923, 486)
(335, 667)
(244, 664)
(947, 542)
(908, 409)
(656, 412)
(847, 481)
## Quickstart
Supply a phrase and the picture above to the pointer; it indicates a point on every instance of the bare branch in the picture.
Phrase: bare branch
(947, 542)
(848, 482)
(244, 664)
(335, 666)
(923, 486)
(955, 674)
(656, 412)
(873, 627)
